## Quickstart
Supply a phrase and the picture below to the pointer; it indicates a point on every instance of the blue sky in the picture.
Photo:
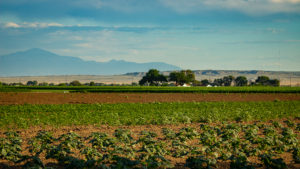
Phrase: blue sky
(192, 34)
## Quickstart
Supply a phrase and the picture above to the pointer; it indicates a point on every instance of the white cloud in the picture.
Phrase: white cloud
(84, 45)
(11, 25)
(40, 25)
(251, 7)
(284, 1)
(31, 25)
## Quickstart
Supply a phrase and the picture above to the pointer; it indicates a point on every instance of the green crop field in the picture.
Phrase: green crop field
(204, 147)
(23, 116)
(232, 134)
(152, 89)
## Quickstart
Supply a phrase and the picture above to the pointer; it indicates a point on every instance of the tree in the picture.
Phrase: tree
(184, 76)
(196, 83)
(178, 77)
(228, 80)
(218, 82)
(75, 83)
(204, 82)
(190, 76)
(262, 80)
(92, 83)
(43, 84)
(241, 81)
(32, 83)
(153, 78)
(274, 82)
(174, 76)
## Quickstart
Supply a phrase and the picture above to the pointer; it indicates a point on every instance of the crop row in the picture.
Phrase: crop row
(154, 89)
(23, 116)
(208, 146)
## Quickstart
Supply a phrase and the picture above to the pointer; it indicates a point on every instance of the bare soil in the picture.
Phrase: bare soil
(89, 98)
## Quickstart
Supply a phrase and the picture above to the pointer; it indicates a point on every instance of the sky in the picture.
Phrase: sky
(191, 34)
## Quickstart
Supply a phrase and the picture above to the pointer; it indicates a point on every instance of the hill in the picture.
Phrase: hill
(38, 62)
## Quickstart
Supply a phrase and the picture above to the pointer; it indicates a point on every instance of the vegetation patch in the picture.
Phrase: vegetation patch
(23, 116)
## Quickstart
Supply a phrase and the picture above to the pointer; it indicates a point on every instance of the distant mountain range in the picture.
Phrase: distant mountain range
(38, 62)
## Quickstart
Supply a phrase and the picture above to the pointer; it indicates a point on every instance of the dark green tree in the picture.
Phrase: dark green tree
(274, 82)
(75, 83)
(153, 78)
(190, 76)
(241, 81)
(182, 77)
(32, 83)
(204, 82)
(228, 80)
(218, 82)
(43, 84)
(263, 80)
(196, 83)
(92, 83)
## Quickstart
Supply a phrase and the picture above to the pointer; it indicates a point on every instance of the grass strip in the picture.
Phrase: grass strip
(24, 116)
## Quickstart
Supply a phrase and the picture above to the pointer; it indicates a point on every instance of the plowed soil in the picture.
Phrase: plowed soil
(88, 98)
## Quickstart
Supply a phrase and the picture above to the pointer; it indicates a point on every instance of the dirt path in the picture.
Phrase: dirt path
(88, 98)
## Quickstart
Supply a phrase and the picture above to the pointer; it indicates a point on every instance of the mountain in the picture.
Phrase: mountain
(38, 62)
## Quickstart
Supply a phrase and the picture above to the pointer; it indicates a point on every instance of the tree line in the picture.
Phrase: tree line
(154, 78)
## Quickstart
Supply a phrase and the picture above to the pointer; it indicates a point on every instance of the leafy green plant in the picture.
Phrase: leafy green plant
(123, 135)
(10, 147)
(296, 155)
(298, 127)
(101, 141)
(180, 149)
(92, 156)
(168, 133)
(123, 163)
(152, 155)
(289, 123)
(289, 137)
(200, 162)
(276, 124)
(42, 142)
(240, 161)
(274, 163)
(62, 152)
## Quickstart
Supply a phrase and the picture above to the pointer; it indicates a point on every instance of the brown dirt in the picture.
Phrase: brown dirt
(88, 98)
(85, 131)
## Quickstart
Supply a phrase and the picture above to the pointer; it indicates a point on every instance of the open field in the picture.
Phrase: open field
(8, 98)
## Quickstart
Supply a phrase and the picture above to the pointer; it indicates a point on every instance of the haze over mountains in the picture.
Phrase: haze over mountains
(38, 62)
